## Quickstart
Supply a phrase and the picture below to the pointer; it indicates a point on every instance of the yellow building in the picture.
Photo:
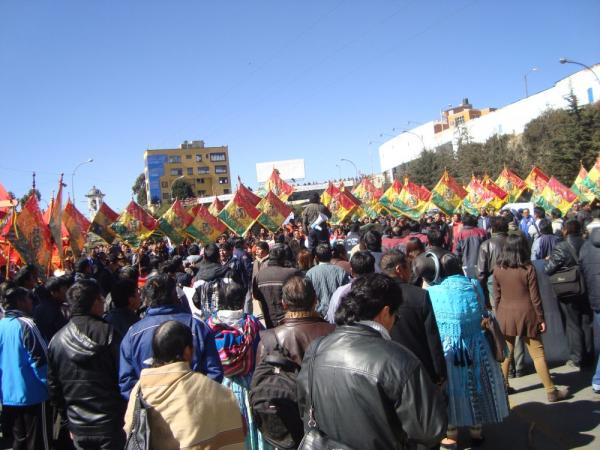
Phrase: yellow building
(206, 169)
(458, 115)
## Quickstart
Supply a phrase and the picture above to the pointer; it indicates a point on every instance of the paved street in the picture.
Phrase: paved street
(536, 424)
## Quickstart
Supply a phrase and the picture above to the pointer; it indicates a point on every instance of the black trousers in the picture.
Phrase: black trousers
(577, 318)
(116, 441)
(31, 426)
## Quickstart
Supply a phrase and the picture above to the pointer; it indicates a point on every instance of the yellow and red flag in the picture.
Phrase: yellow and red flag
(30, 236)
(205, 227)
(411, 202)
(536, 180)
(592, 181)
(274, 212)
(556, 195)
(329, 193)
(240, 213)
(278, 186)
(342, 205)
(77, 226)
(246, 194)
(55, 220)
(7, 211)
(477, 197)
(174, 221)
(134, 224)
(580, 189)
(511, 183)
(447, 194)
(215, 207)
(391, 194)
(102, 221)
(500, 195)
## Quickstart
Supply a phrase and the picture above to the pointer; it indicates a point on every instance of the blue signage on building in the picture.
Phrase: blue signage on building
(156, 169)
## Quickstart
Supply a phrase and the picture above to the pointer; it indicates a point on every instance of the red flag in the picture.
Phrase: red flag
(77, 227)
(55, 220)
(247, 195)
(102, 221)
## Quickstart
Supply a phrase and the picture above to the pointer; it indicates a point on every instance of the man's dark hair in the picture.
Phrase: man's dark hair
(323, 252)
(239, 243)
(573, 227)
(515, 252)
(122, 290)
(82, 295)
(391, 259)
(12, 294)
(263, 246)
(545, 226)
(277, 255)
(54, 284)
(128, 273)
(435, 237)
(539, 212)
(355, 227)
(372, 240)
(362, 263)
(211, 253)
(169, 342)
(555, 213)
(226, 246)
(368, 296)
(450, 264)
(314, 198)
(194, 250)
(499, 224)
(469, 220)
(82, 265)
(25, 274)
(298, 294)
(414, 226)
(339, 251)
(159, 290)
(232, 296)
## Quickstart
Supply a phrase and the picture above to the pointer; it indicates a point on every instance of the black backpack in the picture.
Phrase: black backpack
(273, 397)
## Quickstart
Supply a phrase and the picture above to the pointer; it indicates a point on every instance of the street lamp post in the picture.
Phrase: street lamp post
(91, 160)
(351, 162)
(533, 69)
(568, 61)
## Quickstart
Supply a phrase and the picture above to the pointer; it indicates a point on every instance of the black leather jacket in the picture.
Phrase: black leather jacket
(489, 251)
(562, 256)
(83, 376)
(371, 393)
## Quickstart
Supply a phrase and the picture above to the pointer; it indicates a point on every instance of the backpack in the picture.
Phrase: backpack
(273, 397)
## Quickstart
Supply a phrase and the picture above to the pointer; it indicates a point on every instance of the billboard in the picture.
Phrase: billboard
(288, 169)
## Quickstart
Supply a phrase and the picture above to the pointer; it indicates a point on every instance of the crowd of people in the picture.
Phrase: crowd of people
(367, 334)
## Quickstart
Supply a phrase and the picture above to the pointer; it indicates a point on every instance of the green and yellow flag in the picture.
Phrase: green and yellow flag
(278, 186)
(216, 206)
(77, 227)
(447, 195)
(134, 224)
(390, 196)
(580, 189)
(205, 227)
(239, 214)
(342, 206)
(411, 201)
(536, 180)
(274, 212)
(592, 181)
(329, 193)
(500, 196)
(173, 222)
(556, 195)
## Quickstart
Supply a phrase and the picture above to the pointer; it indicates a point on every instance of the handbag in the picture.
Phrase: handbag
(491, 331)
(139, 436)
(568, 282)
(315, 439)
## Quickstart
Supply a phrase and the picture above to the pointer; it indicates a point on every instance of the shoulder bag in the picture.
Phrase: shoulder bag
(567, 281)
(491, 330)
(139, 436)
(315, 439)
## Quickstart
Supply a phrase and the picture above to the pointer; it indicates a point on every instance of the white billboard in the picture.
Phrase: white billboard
(288, 169)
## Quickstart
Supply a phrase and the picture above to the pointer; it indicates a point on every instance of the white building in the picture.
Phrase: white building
(510, 119)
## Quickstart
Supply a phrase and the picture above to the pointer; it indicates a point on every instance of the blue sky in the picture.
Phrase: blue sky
(313, 79)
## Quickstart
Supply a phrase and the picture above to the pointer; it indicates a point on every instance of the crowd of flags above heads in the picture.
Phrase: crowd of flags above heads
(33, 235)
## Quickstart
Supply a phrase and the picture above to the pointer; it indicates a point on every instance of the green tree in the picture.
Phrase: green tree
(139, 190)
(181, 189)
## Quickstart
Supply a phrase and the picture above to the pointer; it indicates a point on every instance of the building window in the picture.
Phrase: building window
(220, 169)
(188, 156)
(164, 184)
(226, 191)
(217, 156)
(203, 170)
(201, 193)
(200, 180)
(173, 159)
(198, 157)
(166, 196)
(459, 120)
(223, 180)
(190, 171)
(176, 172)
